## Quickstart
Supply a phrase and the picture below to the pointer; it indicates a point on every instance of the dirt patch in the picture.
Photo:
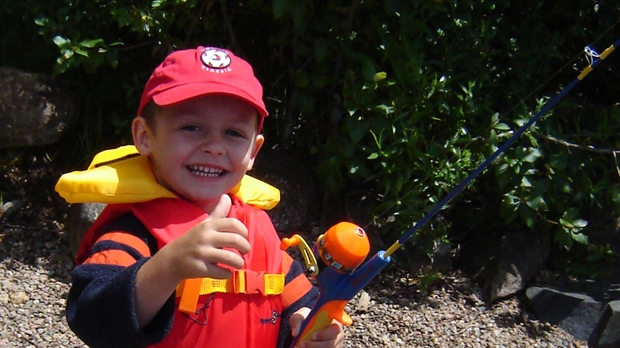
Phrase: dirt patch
(27, 180)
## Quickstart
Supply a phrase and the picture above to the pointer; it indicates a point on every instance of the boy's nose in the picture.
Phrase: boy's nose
(213, 144)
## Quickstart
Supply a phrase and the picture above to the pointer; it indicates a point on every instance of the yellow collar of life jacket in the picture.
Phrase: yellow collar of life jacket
(122, 175)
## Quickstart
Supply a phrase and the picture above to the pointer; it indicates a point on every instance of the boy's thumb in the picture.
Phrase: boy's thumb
(297, 319)
(222, 208)
(295, 322)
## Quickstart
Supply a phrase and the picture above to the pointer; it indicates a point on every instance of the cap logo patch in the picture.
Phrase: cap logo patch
(215, 58)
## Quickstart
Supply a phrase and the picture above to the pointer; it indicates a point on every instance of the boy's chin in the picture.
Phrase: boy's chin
(205, 200)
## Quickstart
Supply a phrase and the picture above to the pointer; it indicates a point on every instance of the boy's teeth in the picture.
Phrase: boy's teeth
(205, 171)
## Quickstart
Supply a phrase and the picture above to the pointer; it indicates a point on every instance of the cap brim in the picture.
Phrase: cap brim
(185, 92)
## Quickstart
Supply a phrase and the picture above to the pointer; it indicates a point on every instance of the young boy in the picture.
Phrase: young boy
(199, 123)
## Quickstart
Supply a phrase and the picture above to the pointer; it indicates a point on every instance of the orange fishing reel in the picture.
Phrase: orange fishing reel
(342, 248)
(336, 262)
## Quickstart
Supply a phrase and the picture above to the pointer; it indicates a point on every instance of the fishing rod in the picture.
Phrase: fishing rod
(335, 258)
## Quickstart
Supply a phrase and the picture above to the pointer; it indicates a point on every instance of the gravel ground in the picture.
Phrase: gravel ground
(35, 267)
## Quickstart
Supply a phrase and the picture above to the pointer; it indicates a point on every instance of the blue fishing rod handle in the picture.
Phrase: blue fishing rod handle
(336, 290)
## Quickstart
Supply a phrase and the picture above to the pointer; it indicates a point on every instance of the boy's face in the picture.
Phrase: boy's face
(200, 148)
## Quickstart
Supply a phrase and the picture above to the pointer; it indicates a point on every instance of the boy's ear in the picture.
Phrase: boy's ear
(141, 135)
(260, 139)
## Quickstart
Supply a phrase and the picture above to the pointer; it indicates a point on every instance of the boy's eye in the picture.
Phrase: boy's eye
(234, 133)
(190, 128)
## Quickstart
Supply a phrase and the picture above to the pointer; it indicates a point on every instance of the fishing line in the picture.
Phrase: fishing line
(591, 57)
(409, 233)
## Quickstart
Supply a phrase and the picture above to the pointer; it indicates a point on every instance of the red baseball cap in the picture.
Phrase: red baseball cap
(187, 74)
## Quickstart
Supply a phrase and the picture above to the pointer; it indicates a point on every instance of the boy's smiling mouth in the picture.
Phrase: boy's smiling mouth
(205, 171)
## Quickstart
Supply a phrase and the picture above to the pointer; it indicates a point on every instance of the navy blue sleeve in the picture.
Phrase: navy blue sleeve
(101, 303)
(308, 300)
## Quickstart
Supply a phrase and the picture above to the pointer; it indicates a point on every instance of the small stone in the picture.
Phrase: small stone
(19, 297)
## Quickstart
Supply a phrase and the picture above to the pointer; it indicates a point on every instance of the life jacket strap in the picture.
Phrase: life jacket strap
(241, 282)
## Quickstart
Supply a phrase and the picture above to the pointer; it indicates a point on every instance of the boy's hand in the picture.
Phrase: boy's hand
(193, 255)
(197, 253)
(331, 336)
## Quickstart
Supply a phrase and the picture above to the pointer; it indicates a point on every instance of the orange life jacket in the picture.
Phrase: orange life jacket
(235, 318)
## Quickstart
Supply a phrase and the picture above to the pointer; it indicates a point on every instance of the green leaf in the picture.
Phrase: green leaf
(504, 177)
(532, 155)
(510, 204)
(66, 55)
(368, 70)
(580, 238)
(571, 214)
(61, 41)
(563, 237)
(41, 21)
(379, 76)
(528, 216)
(580, 223)
(537, 203)
(493, 137)
(91, 43)
(81, 52)
(495, 118)
(357, 133)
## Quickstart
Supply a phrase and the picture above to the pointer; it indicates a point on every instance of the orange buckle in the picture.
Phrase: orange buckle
(248, 282)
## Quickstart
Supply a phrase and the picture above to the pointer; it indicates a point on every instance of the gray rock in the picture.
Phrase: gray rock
(606, 333)
(575, 313)
(503, 264)
(11, 207)
(34, 109)
(79, 219)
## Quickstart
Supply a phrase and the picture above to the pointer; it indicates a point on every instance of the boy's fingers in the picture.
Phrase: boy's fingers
(220, 272)
(297, 319)
(227, 258)
(328, 333)
(222, 208)
(233, 238)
